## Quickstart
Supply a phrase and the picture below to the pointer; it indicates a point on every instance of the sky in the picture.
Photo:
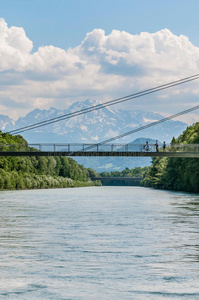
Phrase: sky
(56, 52)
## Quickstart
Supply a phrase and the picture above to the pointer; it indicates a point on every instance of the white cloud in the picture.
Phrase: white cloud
(15, 48)
(102, 66)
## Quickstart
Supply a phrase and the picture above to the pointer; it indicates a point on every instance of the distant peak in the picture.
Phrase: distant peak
(78, 105)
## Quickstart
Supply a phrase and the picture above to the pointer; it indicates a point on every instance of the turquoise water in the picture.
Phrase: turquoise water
(99, 243)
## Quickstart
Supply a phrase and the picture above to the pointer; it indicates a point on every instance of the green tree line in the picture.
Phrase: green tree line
(135, 172)
(180, 174)
(39, 172)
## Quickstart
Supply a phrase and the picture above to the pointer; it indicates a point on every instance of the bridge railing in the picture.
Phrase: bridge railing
(184, 148)
(77, 147)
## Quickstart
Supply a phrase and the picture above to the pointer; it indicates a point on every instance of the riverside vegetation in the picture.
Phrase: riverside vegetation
(40, 172)
(180, 174)
(135, 172)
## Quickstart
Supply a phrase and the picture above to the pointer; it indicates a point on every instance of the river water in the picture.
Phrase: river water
(99, 243)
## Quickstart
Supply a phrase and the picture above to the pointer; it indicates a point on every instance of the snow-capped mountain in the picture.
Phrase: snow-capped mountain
(92, 127)
(6, 122)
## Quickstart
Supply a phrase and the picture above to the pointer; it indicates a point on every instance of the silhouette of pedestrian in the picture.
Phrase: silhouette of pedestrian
(146, 147)
(164, 146)
(156, 146)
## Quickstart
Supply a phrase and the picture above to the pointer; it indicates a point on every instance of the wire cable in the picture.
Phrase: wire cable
(105, 104)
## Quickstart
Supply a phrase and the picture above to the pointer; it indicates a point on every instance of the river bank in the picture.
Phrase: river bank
(18, 173)
(15, 181)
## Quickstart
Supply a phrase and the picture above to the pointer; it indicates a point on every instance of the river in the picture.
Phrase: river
(99, 243)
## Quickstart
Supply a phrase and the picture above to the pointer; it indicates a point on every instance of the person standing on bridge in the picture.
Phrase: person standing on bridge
(156, 146)
(164, 146)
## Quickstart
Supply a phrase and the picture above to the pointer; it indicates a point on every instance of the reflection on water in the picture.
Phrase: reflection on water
(99, 243)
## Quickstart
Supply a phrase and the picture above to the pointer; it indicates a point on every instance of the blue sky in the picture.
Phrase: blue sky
(64, 23)
(55, 52)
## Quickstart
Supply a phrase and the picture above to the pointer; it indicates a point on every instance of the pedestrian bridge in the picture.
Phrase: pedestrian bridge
(117, 178)
(98, 150)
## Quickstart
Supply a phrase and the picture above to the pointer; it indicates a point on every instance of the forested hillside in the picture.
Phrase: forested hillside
(181, 174)
(40, 172)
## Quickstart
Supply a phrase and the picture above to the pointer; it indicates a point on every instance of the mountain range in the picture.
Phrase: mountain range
(94, 127)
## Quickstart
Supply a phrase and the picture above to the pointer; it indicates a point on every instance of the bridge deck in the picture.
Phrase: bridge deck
(97, 150)
(100, 154)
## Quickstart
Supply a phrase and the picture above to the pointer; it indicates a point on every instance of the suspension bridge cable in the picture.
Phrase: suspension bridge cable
(143, 127)
(105, 104)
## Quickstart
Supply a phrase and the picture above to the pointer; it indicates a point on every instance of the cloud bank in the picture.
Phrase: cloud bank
(101, 67)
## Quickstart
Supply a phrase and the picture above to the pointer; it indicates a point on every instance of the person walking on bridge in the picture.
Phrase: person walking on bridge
(156, 146)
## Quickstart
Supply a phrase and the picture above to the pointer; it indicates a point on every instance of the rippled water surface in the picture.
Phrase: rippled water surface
(99, 243)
